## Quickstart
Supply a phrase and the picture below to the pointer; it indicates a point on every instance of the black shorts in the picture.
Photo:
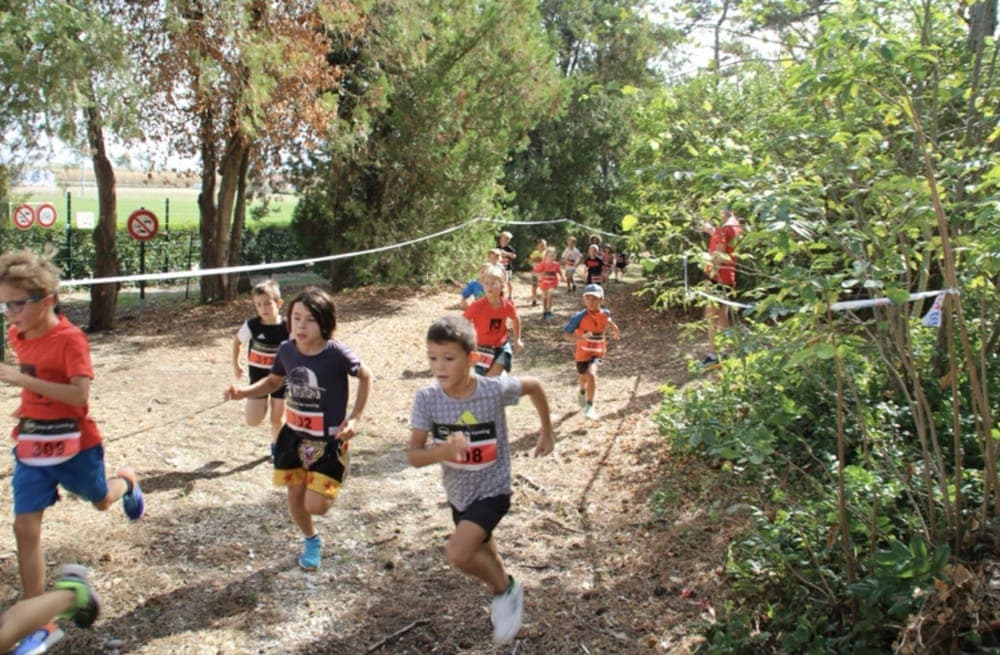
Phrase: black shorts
(485, 512)
(258, 374)
(584, 366)
(319, 464)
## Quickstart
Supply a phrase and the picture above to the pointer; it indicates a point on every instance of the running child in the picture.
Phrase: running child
(587, 330)
(594, 264)
(534, 257)
(507, 257)
(570, 257)
(311, 455)
(474, 289)
(260, 337)
(464, 417)
(489, 316)
(607, 263)
(56, 441)
(71, 596)
(549, 274)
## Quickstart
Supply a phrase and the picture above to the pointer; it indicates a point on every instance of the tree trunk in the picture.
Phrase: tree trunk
(229, 169)
(212, 286)
(239, 221)
(103, 297)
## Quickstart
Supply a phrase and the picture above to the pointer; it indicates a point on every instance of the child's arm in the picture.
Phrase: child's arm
(418, 454)
(262, 387)
(237, 369)
(614, 329)
(532, 388)
(75, 393)
(347, 428)
(515, 323)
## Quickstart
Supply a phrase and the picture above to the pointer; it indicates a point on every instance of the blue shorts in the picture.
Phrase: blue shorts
(37, 487)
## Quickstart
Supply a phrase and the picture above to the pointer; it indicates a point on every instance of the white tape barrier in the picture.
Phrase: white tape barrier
(843, 306)
(228, 270)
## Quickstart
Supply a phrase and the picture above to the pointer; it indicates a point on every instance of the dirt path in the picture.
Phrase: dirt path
(211, 568)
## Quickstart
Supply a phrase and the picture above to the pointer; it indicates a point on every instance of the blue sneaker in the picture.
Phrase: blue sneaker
(40, 641)
(132, 500)
(309, 561)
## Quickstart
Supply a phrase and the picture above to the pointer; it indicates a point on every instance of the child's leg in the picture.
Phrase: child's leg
(297, 508)
(30, 614)
(277, 417)
(467, 552)
(30, 563)
(255, 410)
(591, 382)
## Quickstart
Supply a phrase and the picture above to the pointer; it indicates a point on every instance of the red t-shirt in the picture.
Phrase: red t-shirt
(548, 274)
(721, 246)
(490, 322)
(56, 356)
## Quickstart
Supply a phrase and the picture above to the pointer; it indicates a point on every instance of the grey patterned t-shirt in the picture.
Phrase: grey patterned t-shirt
(486, 469)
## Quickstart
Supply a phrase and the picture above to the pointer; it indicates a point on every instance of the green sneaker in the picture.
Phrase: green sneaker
(75, 578)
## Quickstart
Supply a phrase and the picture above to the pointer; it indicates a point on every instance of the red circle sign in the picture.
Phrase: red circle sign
(142, 224)
(46, 214)
(24, 216)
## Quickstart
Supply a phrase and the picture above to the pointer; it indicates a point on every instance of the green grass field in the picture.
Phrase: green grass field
(181, 203)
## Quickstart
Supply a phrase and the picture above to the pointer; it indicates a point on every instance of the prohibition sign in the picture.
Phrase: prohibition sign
(45, 214)
(24, 216)
(142, 224)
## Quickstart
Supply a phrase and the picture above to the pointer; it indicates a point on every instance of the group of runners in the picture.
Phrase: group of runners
(299, 375)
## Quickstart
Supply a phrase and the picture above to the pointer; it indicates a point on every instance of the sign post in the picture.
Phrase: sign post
(142, 225)
(24, 216)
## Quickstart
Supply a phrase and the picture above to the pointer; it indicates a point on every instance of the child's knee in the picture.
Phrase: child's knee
(457, 555)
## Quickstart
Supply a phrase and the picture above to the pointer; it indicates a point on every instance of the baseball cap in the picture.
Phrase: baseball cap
(593, 290)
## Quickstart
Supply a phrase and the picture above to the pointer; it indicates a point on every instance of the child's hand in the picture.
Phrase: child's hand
(518, 345)
(10, 374)
(545, 444)
(238, 371)
(347, 430)
(457, 446)
(232, 393)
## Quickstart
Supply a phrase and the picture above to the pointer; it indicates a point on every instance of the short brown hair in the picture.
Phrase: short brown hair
(30, 272)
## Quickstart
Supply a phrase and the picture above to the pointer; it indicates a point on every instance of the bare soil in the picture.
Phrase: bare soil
(211, 568)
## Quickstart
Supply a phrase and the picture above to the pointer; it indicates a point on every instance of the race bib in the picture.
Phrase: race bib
(306, 422)
(594, 346)
(482, 452)
(47, 442)
(260, 359)
(485, 356)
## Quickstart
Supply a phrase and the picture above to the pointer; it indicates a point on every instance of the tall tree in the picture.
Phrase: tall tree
(249, 83)
(606, 49)
(67, 75)
(437, 94)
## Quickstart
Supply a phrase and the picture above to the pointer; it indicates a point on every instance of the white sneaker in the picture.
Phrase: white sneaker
(590, 413)
(506, 612)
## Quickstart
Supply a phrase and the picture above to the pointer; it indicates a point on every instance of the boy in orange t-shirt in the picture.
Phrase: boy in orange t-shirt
(587, 330)
(57, 443)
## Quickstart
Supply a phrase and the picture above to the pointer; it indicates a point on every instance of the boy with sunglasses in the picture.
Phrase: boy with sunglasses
(57, 443)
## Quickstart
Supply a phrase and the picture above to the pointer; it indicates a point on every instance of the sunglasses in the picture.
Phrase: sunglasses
(15, 306)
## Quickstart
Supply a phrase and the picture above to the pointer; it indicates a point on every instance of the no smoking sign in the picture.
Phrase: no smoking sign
(142, 225)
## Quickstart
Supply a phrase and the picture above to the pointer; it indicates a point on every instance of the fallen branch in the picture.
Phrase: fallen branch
(383, 641)
(528, 481)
